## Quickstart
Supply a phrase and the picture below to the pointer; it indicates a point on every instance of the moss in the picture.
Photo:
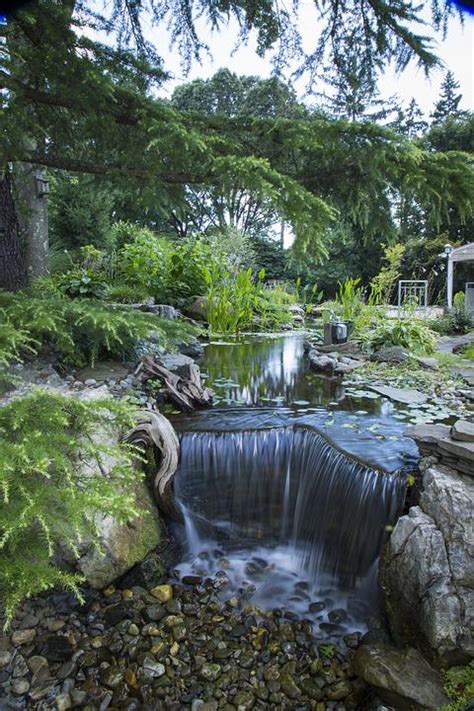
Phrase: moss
(459, 685)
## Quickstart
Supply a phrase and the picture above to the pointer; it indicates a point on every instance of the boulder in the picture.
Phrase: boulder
(199, 308)
(194, 349)
(322, 363)
(122, 545)
(390, 354)
(402, 678)
(179, 364)
(427, 572)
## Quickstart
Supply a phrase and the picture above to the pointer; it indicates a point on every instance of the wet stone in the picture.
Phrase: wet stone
(57, 649)
(155, 612)
(163, 593)
(210, 672)
(5, 658)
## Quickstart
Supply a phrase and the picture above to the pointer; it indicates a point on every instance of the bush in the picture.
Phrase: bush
(405, 331)
(126, 294)
(47, 501)
(83, 330)
(457, 321)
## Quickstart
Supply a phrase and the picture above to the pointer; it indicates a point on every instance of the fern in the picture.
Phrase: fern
(47, 498)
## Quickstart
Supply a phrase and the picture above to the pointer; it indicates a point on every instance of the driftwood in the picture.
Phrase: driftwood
(154, 430)
(186, 393)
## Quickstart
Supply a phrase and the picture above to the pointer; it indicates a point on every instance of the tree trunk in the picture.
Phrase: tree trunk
(33, 217)
(12, 270)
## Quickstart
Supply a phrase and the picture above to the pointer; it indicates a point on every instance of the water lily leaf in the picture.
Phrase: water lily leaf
(301, 402)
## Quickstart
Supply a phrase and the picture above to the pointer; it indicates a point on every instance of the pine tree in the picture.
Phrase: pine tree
(448, 102)
(410, 121)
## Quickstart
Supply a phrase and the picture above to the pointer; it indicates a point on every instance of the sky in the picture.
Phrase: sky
(456, 52)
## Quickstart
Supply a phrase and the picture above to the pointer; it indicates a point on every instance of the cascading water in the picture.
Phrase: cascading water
(287, 512)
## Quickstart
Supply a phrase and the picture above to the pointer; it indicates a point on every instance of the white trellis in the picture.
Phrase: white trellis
(461, 254)
(413, 291)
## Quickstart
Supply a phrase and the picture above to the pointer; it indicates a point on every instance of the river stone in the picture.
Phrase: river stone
(463, 430)
(402, 678)
(427, 571)
(404, 395)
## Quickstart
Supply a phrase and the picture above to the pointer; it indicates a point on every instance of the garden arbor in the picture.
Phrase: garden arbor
(460, 254)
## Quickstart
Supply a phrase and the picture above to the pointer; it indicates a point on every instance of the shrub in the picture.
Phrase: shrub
(458, 320)
(405, 331)
(82, 330)
(48, 501)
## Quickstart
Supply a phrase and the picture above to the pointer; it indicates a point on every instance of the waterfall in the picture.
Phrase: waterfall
(290, 487)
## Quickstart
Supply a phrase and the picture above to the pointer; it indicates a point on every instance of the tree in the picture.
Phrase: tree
(353, 81)
(410, 121)
(89, 108)
(448, 102)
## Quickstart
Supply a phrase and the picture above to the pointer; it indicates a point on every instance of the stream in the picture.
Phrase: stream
(288, 484)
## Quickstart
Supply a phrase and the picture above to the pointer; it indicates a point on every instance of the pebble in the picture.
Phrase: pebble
(20, 637)
(20, 686)
(163, 593)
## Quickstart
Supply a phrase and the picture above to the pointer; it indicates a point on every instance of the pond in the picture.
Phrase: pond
(288, 484)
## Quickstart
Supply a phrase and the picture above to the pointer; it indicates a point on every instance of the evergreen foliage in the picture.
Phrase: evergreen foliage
(48, 499)
(80, 330)
(449, 99)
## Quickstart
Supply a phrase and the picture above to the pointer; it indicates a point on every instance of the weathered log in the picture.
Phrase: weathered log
(186, 393)
(154, 430)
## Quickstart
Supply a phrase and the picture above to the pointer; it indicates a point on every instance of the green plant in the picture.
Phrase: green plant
(382, 284)
(85, 283)
(350, 298)
(232, 300)
(82, 330)
(48, 499)
(459, 685)
(457, 320)
(126, 294)
(405, 331)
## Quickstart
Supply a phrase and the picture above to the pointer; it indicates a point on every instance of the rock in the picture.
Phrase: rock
(199, 308)
(20, 637)
(427, 434)
(390, 354)
(463, 450)
(5, 658)
(120, 545)
(63, 702)
(57, 649)
(403, 678)
(404, 395)
(179, 364)
(428, 363)
(463, 430)
(209, 671)
(163, 593)
(427, 573)
(289, 686)
(153, 669)
(338, 690)
(322, 363)
(20, 686)
(194, 349)
(244, 700)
